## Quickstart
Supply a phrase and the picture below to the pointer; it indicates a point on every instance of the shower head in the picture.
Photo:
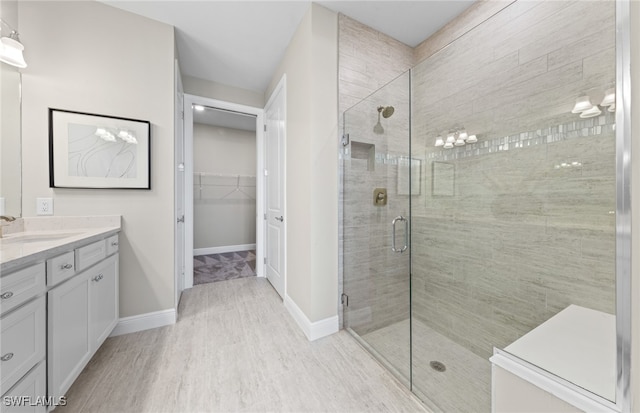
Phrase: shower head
(386, 111)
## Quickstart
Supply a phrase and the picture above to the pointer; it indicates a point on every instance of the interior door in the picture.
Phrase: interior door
(275, 117)
(180, 190)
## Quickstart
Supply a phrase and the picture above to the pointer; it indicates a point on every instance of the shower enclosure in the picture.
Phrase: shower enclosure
(484, 204)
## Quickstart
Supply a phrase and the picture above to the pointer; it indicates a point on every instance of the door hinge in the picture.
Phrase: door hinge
(265, 217)
(344, 300)
(265, 127)
(265, 260)
(182, 114)
(345, 139)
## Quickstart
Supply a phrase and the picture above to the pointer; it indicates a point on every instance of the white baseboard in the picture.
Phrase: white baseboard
(142, 322)
(226, 248)
(313, 330)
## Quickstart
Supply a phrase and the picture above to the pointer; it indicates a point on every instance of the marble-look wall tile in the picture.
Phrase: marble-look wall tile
(377, 281)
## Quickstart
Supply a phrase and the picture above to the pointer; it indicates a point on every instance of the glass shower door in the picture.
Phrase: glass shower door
(376, 208)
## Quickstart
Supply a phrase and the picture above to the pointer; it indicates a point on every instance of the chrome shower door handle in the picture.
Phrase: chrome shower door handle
(393, 234)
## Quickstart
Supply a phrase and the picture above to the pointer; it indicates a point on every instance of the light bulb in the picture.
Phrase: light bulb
(472, 139)
(590, 113)
(582, 103)
(439, 141)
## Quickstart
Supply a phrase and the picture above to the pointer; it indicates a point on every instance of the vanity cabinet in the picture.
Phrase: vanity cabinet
(55, 312)
(82, 312)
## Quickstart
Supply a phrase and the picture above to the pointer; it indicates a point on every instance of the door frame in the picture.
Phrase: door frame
(189, 101)
(179, 129)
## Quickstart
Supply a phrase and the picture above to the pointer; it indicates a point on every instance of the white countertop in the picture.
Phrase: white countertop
(577, 344)
(43, 238)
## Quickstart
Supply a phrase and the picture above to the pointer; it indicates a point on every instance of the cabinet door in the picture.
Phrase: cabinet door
(29, 394)
(103, 305)
(22, 341)
(68, 337)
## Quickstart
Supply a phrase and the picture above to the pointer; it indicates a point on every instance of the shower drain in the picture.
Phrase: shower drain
(438, 366)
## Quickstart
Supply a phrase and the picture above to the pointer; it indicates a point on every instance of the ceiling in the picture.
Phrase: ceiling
(240, 43)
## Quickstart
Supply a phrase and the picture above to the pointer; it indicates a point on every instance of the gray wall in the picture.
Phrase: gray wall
(75, 66)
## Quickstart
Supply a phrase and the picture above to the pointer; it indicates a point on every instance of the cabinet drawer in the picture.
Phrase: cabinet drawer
(112, 244)
(60, 268)
(88, 255)
(29, 394)
(22, 342)
(18, 287)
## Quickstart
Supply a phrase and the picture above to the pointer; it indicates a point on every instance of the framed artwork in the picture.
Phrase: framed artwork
(98, 151)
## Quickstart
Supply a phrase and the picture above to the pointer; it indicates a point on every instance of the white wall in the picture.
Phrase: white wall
(222, 218)
(90, 57)
(310, 64)
(214, 90)
(10, 184)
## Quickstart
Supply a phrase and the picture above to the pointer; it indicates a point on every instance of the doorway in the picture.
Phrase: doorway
(224, 191)
(224, 194)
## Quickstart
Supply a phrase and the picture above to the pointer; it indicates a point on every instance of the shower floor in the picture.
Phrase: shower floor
(465, 386)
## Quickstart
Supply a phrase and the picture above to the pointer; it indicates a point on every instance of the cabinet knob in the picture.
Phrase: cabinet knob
(6, 295)
(114, 243)
(98, 277)
(66, 266)
(7, 357)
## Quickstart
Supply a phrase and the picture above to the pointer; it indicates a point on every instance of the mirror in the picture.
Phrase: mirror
(10, 139)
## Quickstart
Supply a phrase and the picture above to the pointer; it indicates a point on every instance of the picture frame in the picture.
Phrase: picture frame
(443, 179)
(98, 151)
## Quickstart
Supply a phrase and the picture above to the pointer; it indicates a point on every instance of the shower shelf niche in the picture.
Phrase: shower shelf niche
(366, 151)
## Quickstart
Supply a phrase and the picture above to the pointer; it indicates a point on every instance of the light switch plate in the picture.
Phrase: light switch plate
(44, 206)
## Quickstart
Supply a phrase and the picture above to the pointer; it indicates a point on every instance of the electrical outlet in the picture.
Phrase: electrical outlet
(44, 206)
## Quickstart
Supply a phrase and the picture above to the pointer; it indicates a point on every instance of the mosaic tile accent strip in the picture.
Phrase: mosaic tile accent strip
(604, 124)
(225, 266)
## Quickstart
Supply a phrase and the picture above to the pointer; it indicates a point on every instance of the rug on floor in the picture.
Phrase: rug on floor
(226, 266)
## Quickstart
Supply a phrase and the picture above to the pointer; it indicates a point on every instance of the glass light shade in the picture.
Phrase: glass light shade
(448, 145)
(463, 135)
(459, 142)
(472, 139)
(590, 113)
(439, 141)
(582, 103)
(11, 52)
(609, 98)
(612, 108)
(451, 138)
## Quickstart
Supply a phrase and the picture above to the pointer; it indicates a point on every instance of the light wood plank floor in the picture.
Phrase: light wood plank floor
(235, 348)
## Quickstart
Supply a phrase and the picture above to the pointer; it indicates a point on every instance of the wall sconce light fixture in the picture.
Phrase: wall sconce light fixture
(586, 109)
(458, 138)
(11, 48)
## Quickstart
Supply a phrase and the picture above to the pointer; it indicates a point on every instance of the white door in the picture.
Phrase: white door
(180, 189)
(275, 119)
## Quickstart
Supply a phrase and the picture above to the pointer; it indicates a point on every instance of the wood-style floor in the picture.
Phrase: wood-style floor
(235, 348)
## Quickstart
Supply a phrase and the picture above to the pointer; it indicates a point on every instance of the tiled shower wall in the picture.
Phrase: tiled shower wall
(522, 223)
(368, 60)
